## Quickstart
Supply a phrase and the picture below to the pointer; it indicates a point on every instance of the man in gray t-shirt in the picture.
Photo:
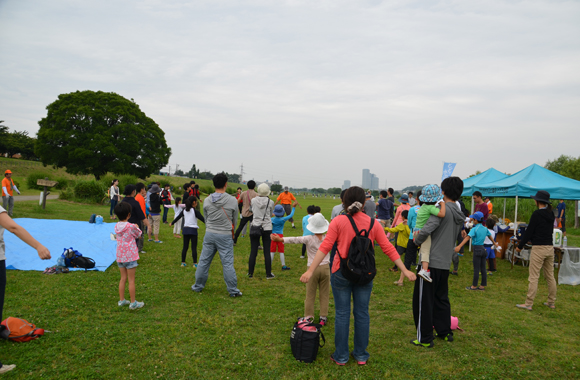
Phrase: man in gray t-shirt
(370, 207)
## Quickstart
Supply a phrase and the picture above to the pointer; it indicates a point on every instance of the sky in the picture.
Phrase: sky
(311, 92)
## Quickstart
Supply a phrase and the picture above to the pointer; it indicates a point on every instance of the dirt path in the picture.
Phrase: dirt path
(19, 198)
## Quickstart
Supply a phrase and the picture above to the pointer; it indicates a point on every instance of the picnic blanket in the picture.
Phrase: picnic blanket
(92, 240)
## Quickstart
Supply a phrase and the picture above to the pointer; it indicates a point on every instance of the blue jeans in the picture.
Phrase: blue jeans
(342, 289)
(113, 204)
(212, 243)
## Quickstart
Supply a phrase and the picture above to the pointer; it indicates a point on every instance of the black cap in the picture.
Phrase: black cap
(542, 196)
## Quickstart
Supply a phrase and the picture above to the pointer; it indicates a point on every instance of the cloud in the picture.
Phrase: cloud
(312, 92)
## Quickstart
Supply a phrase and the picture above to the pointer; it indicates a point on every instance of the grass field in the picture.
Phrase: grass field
(180, 334)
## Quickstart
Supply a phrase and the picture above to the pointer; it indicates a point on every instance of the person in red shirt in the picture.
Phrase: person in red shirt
(341, 232)
(480, 205)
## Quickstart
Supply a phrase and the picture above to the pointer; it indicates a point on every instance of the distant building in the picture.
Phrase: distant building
(366, 179)
(374, 182)
(346, 184)
(369, 180)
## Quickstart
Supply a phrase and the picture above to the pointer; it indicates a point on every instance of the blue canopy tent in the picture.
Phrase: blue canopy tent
(527, 182)
(490, 175)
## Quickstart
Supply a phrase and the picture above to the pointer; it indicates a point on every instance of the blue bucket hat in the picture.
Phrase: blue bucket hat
(404, 198)
(478, 215)
(431, 193)
(279, 210)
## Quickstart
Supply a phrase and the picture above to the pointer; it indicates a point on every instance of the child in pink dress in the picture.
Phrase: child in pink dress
(127, 254)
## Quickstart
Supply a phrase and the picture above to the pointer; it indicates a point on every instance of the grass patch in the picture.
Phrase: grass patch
(180, 334)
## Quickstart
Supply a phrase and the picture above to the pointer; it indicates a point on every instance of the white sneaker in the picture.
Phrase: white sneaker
(5, 368)
(425, 274)
(123, 303)
(136, 305)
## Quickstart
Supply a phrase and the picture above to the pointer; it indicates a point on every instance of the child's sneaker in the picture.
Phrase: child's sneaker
(136, 305)
(285, 268)
(270, 276)
(302, 257)
(306, 319)
(195, 265)
(123, 303)
(322, 321)
(426, 274)
(460, 254)
(426, 345)
(183, 264)
(7, 367)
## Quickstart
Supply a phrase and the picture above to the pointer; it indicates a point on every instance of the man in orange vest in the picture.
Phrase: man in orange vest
(7, 193)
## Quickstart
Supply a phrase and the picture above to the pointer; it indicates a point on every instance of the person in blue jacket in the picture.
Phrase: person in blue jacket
(278, 229)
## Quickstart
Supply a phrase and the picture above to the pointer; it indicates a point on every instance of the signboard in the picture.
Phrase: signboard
(45, 182)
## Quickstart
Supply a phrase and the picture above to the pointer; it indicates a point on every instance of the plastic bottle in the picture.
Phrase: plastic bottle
(565, 242)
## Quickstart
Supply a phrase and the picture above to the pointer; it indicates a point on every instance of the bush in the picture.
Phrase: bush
(206, 189)
(33, 177)
(67, 194)
(92, 191)
(63, 183)
(231, 190)
(177, 190)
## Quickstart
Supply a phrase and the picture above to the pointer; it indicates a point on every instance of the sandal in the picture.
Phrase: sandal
(524, 306)
(398, 283)
(470, 288)
(550, 306)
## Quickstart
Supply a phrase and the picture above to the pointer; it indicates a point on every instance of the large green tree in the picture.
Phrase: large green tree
(98, 132)
(565, 165)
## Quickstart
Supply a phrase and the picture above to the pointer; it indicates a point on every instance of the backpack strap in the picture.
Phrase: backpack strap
(353, 224)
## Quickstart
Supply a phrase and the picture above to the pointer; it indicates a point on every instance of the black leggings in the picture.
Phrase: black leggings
(303, 249)
(186, 240)
(255, 242)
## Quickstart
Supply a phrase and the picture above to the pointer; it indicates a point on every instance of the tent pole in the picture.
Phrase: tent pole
(516, 217)
(472, 208)
(504, 202)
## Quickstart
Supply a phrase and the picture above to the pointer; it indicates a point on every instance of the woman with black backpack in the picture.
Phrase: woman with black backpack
(346, 283)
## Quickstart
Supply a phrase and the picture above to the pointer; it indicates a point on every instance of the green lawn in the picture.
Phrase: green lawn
(181, 334)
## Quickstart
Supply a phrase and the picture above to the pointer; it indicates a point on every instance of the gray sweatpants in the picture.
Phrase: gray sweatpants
(8, 204)
(212, 243)
(288, 211)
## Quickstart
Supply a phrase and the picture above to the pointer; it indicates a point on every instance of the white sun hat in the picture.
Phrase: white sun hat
(263, 190)
(317, 224)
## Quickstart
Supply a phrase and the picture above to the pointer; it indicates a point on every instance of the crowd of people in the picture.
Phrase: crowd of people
(434, 224)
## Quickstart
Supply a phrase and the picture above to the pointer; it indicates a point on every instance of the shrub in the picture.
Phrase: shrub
(231, 190)
(62, 184)
(206, 189)
(33, 177)
(67, 194)
(177, 190)
(92, 191)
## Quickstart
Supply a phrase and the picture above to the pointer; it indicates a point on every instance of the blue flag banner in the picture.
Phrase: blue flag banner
(448, 168)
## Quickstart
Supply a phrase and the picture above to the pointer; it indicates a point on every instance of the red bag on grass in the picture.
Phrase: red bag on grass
(19, 330)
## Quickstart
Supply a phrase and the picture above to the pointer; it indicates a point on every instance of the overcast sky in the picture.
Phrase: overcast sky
(312, 92)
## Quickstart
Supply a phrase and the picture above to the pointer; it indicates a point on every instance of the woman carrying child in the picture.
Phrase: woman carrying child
(341, 232)
(320, 279)
(127, 254)
(190, 227)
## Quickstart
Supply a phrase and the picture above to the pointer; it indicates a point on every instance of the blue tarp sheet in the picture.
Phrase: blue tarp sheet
(528, 181)
(92, 240)
(489, 175)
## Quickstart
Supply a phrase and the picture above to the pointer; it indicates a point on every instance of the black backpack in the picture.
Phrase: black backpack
(305, 341)
(75, 259)
(359, 265)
